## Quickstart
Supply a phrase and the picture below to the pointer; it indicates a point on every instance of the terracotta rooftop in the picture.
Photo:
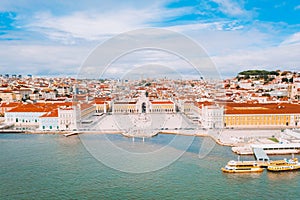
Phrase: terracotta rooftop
(272, 108)
(204, 103)
(11, 104)
(53, 113)
(162, 102)
(38, 107)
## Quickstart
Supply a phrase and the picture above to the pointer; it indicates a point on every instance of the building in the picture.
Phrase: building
(262, 115)
(29, 114)
(7, 96)
(143, 105)
(102, 105)
(166, 106)
(67, 118)
(49, 121)
(212, 116)
(125, 107)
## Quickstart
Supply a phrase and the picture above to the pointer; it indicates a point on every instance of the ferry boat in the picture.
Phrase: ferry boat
(284, 165)
(242, 167)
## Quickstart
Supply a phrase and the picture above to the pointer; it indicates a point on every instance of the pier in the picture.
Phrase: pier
(70, 134)
(260, 154)
(289, 148)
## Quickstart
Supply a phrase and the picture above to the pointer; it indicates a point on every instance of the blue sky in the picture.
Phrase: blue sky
(54, 37)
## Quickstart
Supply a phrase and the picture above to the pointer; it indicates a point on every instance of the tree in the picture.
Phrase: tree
(284, 80)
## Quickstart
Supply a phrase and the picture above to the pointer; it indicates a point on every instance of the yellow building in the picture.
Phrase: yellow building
(125, 107)
(162, 107)
(262, 115)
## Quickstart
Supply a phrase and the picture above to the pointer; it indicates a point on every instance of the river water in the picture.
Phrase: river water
(56, 167)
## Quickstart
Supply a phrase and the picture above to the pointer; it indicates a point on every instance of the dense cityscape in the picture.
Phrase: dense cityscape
(253, 98)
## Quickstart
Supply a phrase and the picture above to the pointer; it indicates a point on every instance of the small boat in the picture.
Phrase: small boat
(284, 165)
(242, 167)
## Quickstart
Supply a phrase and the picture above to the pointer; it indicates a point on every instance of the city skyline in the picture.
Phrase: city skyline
(54, 38)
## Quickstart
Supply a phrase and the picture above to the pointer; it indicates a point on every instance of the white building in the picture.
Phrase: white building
(67, 118)
(49, 121)
(25, 115)
(212, 116)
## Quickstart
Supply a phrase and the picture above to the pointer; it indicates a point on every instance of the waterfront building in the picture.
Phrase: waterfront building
(50, 121)
(262, 115)
(142, 104)
(26, 114)
(67, 118)
(166, 106)
(29, 114)
(212, 116)
(125, 107)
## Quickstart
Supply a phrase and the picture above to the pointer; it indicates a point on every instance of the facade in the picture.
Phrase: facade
(67, 118)
(49, 121)
(143, 105)
(25, 114)
(101, 107)
(162, 107)
(125, 107)
(262, 115)
(29, 114)
(62, 119)
(212, 116)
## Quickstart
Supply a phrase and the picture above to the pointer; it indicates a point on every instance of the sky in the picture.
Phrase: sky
(54, 37)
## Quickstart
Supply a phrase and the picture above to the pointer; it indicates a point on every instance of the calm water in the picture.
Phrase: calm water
(55, 167)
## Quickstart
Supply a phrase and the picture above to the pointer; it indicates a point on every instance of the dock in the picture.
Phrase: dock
(72, 133)
(260, 154)
(289, 148)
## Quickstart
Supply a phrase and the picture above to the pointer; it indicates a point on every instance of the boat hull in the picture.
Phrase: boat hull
(282, 168)
(252, 170)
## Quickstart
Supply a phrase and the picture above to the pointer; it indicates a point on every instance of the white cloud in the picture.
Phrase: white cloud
(292, 40)
(230, 7)
(281, 57)
(53, 42)
(96, 25)
(41, 59)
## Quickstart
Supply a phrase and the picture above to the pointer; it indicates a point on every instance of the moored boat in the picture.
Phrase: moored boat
(284, 165)
(242, 167)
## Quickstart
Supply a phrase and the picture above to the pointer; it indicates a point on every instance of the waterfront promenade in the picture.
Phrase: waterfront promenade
(241, 140)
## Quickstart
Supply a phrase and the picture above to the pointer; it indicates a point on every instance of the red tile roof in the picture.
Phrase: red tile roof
(272, 108)
(39, 107)
(53, 113)
(10, 105)
(162, 102)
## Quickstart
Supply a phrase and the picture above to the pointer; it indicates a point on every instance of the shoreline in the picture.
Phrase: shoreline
(227, 137)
